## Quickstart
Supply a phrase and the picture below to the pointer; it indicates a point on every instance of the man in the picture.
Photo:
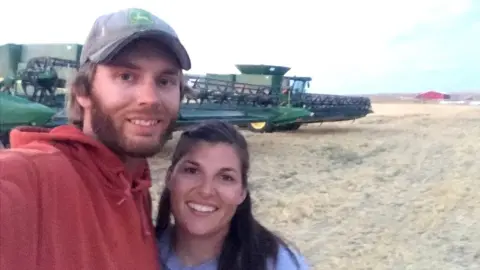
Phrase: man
(76, 196)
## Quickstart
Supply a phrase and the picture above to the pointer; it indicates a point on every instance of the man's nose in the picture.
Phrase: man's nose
(148, 93)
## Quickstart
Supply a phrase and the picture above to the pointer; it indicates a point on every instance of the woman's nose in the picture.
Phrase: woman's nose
(206, 187)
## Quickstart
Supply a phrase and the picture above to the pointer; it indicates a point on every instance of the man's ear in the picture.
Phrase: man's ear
(84, 101)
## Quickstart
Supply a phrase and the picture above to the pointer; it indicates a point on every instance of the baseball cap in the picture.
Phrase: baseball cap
(112, 32)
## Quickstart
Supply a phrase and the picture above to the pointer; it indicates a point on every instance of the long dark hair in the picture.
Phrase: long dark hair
(248, 244)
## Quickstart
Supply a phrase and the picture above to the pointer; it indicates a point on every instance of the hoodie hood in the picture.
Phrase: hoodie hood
(88, 151)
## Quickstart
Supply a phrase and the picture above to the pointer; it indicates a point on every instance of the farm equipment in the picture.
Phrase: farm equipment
(41, 74)
(267, 87)
(17, 111)
(261, 98)
(39, 80)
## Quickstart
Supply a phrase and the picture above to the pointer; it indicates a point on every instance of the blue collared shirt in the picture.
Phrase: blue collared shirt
(170, 261)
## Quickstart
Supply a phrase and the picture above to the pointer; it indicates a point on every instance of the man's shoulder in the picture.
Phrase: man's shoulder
(32, 156)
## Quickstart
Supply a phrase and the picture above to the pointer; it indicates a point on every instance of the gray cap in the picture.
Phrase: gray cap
(112, 32)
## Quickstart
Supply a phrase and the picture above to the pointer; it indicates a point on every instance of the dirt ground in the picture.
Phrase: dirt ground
(399, 189)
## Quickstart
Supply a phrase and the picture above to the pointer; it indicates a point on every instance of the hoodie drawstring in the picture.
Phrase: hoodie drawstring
(139, 202)
(126, 194)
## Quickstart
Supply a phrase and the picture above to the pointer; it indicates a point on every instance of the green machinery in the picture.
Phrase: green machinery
(16, 111)
(263, 86)
(260, 98)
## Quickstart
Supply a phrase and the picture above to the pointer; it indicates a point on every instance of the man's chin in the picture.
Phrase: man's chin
(142, 148)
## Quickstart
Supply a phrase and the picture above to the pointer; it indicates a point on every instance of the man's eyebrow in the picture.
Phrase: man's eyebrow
(123, 64)
(130, 65)
(171, 71)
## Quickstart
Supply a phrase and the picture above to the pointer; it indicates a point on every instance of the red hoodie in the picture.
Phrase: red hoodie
(67, 202)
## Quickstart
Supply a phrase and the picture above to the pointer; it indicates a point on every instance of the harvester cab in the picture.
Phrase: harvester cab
(296, 85)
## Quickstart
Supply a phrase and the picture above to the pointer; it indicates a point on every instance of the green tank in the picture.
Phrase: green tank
(16, 111)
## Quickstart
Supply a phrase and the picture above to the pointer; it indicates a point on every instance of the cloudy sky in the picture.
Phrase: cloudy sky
(347, 46)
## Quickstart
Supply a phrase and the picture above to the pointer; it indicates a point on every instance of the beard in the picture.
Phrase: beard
(112, 136)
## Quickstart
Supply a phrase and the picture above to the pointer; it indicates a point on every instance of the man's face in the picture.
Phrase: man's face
(135, 100)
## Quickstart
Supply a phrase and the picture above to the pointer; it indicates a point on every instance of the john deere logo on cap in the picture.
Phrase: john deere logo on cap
(140, 16)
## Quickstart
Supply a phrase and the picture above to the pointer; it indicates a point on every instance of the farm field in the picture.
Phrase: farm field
(399, 189)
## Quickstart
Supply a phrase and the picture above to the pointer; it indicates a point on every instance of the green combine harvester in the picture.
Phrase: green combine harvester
(289, 105)
(260, 98)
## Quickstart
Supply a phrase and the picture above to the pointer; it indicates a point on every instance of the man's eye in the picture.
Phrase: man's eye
(126, 76)
(166, 82)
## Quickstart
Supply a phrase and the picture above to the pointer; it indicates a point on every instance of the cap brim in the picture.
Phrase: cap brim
(113, 48)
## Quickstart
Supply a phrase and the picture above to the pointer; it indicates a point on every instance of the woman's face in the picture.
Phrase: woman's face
(206, 188)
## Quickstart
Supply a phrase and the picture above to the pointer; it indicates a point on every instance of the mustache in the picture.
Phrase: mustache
(151, 110)
(147, 109)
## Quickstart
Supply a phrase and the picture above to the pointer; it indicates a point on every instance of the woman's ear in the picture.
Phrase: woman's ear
(243, 196)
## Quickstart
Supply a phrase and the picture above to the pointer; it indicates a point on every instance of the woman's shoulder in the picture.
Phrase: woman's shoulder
(289, 258)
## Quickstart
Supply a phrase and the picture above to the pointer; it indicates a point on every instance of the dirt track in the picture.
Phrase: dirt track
(399, 189)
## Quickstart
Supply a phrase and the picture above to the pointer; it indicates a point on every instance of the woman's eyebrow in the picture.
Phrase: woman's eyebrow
(228, 169)
(191, 162)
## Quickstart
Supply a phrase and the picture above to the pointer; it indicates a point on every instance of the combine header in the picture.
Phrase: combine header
(266, 91)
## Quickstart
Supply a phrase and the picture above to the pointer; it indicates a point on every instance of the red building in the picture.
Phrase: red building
(432, 95)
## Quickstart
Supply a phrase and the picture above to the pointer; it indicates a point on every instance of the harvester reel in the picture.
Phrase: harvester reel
(221, 97)
(195, 95)
(41, 75)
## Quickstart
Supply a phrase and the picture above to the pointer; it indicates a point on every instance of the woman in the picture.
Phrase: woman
(207, 194)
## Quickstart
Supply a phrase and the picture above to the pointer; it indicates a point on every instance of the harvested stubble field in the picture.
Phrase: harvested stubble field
(399, 189)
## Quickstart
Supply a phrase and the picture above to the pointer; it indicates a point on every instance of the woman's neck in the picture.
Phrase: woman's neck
(193, 250)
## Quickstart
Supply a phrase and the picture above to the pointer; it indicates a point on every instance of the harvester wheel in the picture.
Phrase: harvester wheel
(288, 127)
(293, 126)
(260, 127)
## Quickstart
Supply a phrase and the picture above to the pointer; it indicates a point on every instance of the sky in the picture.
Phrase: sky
(346, 46)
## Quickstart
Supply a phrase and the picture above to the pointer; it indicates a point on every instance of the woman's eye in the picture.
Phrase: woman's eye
(228, 178)
(190, 170)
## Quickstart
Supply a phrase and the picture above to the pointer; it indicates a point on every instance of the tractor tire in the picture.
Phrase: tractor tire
(288, 127)
(260, 127)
